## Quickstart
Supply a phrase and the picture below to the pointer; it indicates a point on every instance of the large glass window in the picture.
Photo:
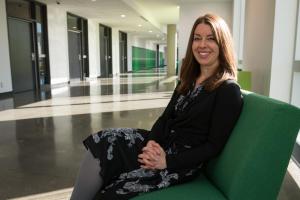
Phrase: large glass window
(41, 49)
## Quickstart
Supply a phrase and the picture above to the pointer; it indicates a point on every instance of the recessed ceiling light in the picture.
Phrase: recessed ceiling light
(178, 6)
(93, 0)
(150, 31)
(140, 25)
(123, 16)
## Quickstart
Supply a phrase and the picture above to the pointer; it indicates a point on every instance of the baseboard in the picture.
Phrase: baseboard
(6, 95)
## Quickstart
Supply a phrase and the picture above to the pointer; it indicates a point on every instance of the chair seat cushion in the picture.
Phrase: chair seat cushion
(198, 189)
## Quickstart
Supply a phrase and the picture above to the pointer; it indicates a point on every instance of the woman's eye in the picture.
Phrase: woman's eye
(196, 38)
(211, 38)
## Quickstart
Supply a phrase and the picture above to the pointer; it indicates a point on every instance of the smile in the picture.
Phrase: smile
(204, 55)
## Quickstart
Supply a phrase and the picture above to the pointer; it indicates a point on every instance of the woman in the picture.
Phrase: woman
(122, 163)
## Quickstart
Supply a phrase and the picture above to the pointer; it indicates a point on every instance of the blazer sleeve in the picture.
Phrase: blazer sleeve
(228, 105)
(158, 129)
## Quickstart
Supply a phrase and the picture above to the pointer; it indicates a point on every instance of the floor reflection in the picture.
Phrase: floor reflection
(123, 84)
(43, 154)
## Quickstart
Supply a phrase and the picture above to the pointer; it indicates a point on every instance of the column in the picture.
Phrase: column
(171, 49)
(5, 71)
(283, 49)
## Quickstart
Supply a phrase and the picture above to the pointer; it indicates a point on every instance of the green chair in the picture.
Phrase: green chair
(254, 161)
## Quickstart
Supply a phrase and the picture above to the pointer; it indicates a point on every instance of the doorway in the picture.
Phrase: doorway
(123, 52)
(22, 55)
(75, 54)
(105, 51)
(28, 46)
(78, 47)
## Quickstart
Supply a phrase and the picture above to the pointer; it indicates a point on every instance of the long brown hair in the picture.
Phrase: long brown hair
(190, 69)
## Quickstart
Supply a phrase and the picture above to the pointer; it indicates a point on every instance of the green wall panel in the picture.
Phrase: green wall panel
(161, 59)
(143, 59)
(244, 80)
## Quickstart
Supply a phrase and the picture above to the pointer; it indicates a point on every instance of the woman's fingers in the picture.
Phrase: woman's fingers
(146, 163)
(153, 148)
(147, 155)
(153, 156)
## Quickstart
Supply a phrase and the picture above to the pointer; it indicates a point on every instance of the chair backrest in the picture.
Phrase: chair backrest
(255, 158)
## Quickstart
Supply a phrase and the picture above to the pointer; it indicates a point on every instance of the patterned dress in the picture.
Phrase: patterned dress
(118, 149)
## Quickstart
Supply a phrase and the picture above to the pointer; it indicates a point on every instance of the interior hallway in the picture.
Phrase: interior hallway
(41, 134)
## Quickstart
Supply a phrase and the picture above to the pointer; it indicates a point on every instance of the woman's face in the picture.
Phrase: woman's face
(205, 47)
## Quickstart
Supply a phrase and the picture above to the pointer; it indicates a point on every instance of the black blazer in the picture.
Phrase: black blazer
(205, 125)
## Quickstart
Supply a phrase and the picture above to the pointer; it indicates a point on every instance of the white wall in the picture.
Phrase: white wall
(258, 42)
(5, 72)
(238, 27)
(129, 51)
(142, 43)
(295, 99)
(58, 44)
(150, 45)
(190, 12)
(283, 49)
(94, 48)
(297, 53)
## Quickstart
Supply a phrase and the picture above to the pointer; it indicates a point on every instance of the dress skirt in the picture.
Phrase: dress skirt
(123, 178)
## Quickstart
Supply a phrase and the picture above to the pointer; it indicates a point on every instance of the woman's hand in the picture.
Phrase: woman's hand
(153, 156)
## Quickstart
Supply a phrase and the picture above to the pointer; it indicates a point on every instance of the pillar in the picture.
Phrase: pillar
(283, 49)
(171, 49)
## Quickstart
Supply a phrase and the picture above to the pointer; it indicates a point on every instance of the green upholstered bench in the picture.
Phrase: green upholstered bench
(254, 160)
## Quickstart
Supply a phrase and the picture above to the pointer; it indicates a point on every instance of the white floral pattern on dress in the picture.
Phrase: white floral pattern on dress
(137, 186)
(166, 177)
(129, 134)
(184, 100)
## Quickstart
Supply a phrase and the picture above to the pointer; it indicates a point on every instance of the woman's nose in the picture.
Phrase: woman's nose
(202, 43)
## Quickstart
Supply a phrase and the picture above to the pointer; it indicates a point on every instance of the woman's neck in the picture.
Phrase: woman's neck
(205, 74)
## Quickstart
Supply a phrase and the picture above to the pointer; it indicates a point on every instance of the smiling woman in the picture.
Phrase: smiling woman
(205, 49)
(210, 54)
(121, 163)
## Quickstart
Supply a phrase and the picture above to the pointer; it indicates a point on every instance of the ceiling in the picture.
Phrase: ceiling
(143, 18)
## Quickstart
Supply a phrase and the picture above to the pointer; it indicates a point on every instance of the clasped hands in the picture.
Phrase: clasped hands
(153, 156)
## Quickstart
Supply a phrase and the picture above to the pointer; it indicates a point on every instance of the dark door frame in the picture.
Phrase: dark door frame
(83, 30)
(157, 55)
(79, 56)
(34, 52)
(46, 42)
(124, 66)
(108, 56)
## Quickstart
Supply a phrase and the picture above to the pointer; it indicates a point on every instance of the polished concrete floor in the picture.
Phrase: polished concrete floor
(41, 134)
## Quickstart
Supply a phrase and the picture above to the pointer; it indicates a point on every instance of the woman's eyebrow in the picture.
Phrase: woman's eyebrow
(209, 35)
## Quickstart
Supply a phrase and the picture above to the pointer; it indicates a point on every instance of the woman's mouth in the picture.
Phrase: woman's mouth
(203, 54)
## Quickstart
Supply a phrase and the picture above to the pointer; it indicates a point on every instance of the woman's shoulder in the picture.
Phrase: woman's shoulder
(229, 84)
(229, 88)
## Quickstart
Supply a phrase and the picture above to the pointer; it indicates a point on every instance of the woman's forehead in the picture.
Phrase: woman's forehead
(203, 29)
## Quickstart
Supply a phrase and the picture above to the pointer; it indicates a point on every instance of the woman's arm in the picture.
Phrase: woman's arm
(226, 111)
(157, 130)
